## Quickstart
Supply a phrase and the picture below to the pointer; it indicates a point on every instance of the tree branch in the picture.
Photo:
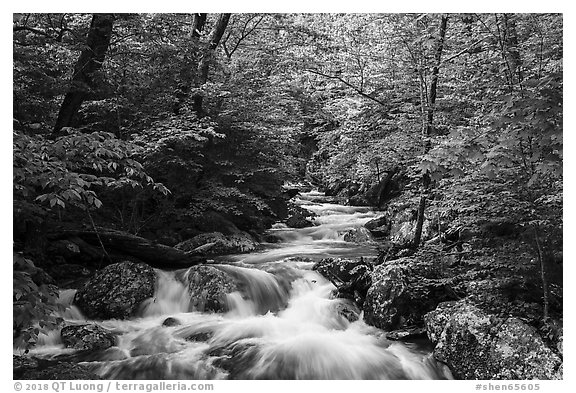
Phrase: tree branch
(345, 82)
(463, 51)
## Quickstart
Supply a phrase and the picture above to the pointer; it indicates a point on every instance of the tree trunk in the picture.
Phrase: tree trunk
(512, 49)
(190, 62)
(90, 61)
(204, 64)
(427, 130)
(123, 243)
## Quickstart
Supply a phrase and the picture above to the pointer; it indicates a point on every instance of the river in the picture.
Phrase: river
(284, 325)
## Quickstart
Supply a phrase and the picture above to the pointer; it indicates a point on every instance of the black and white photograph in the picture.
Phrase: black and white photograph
(287, 196)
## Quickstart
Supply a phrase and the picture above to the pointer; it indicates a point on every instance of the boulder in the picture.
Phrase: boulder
(358, 235)
(358, 200)
(208, 287)
(402, 292)
(216, 243)
(298, 221)
(116, 291)
(169, 322)
(87, 337)
(379, 226)
(352, 278)
(477, 345)
(343, 270)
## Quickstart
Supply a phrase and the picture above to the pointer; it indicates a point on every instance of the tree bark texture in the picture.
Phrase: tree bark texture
(89, 62)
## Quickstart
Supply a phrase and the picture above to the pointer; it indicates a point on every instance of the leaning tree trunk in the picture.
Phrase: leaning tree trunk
(428, 128)
(204, 64)
(90, 61)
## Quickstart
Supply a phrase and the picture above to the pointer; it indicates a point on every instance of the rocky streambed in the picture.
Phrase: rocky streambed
(316, 303)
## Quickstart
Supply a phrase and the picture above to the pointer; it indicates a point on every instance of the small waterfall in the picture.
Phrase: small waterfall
(282, 321)
(259, 287)
(171, 296)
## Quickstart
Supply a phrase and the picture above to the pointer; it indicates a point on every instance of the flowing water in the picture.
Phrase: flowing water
(285, 324)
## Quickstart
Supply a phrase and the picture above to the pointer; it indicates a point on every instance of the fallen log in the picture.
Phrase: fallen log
(123, 243)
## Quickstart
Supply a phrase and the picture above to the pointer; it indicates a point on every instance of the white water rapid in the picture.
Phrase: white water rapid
(284, 325)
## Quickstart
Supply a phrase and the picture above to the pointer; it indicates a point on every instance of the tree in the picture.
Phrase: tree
(427, 129)
(207, 57)
(83, 81)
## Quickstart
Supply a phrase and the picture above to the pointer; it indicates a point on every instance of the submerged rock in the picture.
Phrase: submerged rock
(477, 345)
(216, 243)
(208, 287)
(169, 322)
(116, 291)
(87, 337)
(402, 292)
(347, 311)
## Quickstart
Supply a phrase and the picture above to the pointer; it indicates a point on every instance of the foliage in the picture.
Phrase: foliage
(70, 168)
(34, 305)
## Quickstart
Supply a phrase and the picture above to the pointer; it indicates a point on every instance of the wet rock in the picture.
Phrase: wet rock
(87, 337)
(402, 292)
(342, 270)
(477, 345)
(200, 336)
(379, 226)
(377, 222)
(298, 221)
(347, 311)
(169, 322)
(116, 291)
(358, 235)
(407, 334)
(238, 359)
(208, 287)
(358, 200)
(351, 277)
(216, 243)
(26, 368)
